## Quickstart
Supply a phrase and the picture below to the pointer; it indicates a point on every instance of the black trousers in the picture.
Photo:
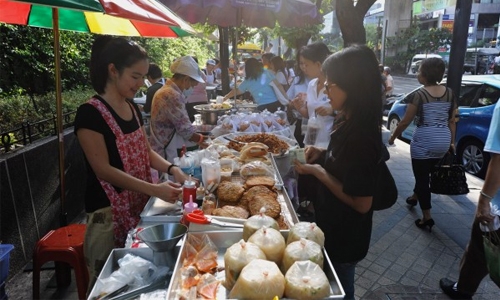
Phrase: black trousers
(422, 169)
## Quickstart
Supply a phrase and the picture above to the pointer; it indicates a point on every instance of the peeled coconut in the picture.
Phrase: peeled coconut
(306, 280)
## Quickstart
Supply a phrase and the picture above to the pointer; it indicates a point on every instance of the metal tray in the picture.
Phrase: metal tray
(157, 210)
(223, 240)
(111, 265)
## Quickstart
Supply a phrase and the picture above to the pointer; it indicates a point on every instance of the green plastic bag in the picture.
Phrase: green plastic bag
(492, 254)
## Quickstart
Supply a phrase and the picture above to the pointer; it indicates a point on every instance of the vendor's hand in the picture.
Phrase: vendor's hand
(312, 153)
(170, 191)
(324, 110)
(179, 176)
(483, 211)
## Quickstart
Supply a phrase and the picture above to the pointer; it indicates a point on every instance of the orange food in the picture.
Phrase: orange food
(206, 265)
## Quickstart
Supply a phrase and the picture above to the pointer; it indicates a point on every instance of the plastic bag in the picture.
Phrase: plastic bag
(313, 128)
(210, 173)
(256, 168)
(260, 279)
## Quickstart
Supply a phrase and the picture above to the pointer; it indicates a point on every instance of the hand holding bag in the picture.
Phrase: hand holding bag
(448, 177)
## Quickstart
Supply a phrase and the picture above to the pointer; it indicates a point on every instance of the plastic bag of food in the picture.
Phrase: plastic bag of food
(309, 231)
(237, 257)
(256, 168)
(306, 280)
(271, 242)
(256, 222)
(302, 250)
(210, 170)
(260, 279)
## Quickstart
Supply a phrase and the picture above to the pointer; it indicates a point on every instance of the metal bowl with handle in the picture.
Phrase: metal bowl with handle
(210, 115)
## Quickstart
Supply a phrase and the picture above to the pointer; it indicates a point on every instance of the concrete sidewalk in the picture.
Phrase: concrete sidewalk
(404, 262)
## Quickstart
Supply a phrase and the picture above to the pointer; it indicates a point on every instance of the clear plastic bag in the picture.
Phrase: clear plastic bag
(313, 128)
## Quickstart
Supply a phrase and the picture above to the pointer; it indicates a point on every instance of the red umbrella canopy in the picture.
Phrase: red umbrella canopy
(86, 18)
(252, 13)
(140, 10)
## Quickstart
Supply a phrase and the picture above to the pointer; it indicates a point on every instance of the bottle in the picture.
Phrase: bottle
(188, 190)
(188, 208)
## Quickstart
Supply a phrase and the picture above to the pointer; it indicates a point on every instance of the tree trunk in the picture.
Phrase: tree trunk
(351, 18)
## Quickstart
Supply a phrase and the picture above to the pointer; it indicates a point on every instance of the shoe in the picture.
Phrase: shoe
(448, 288)
(423, 224)
(411, 201)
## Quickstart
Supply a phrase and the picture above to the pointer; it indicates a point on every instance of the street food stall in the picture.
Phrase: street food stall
(238, 226)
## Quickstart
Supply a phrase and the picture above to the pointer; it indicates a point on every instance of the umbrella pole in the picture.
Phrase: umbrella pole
(60, 134)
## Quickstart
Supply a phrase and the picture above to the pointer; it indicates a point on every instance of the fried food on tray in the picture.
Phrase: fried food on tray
(282, 223)
(273, 207)
(231, 212)
(230, 191)
(259, 180)
(275, 144)
(252, 192)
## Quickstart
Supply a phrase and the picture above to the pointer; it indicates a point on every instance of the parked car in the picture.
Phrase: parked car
(477, 99)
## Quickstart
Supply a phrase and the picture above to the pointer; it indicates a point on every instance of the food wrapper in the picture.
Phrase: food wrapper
(256, 168)
(260, 279)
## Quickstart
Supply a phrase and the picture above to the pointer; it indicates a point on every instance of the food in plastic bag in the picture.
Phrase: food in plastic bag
(260, 279)
(256, 168)
(302, 250)
(313, 127)
(207, 286)
(309, 231)
(238, 256)
(210, 173)
(256, 222)
(306, 280)
(271, 242)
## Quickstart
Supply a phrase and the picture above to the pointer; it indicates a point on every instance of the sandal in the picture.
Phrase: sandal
(411, 201)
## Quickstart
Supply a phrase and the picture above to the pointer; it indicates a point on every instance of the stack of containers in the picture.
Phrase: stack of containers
(4, 267)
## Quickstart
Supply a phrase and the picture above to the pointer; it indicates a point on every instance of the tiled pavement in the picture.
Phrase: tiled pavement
(404, 262)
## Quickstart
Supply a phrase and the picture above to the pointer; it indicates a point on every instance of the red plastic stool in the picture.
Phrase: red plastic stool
(64, 246)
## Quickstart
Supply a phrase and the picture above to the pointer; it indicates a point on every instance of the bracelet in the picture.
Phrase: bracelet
(485, 195)
(170, 167)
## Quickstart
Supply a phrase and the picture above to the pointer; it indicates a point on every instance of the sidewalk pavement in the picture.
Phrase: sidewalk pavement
(404, 262)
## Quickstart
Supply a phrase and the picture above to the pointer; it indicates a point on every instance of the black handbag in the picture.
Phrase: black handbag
(448, 177)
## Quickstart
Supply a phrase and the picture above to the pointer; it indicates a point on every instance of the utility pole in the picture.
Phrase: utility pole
(459, 45)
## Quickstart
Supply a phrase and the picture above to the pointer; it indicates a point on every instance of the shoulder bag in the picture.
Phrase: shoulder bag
(448, 177)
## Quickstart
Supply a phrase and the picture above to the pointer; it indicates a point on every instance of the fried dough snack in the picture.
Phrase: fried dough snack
(273, 207)
(259, 180)
(231, 211)
(230, 191)
(252, 192)
(275, 145)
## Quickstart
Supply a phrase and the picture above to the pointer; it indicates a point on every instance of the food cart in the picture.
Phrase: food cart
(173, 283)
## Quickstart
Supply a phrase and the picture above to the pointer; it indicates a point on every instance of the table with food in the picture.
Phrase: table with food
(235, 235)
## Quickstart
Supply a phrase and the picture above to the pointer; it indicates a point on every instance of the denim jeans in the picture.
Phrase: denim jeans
(345, 272)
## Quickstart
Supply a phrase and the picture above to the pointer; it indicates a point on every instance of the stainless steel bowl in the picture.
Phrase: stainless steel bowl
(209, 115)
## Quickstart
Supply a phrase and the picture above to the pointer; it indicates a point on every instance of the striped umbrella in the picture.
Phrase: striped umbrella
(146, 18)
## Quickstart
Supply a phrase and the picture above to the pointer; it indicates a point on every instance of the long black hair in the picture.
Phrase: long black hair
(112, 50)
(355, 71)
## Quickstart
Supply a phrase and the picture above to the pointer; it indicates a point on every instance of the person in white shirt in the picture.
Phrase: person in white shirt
(316, 104)
(389, 89)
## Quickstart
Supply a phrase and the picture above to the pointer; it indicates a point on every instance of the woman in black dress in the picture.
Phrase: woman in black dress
(347, 169)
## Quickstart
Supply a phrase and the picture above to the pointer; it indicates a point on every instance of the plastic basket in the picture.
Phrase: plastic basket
(4, 267)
